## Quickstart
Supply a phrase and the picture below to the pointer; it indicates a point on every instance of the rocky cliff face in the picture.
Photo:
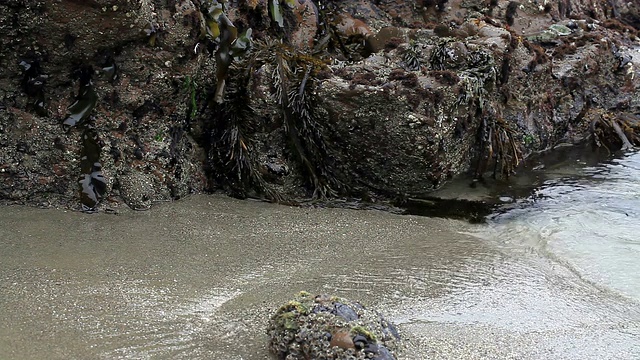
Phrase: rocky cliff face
(104, 102)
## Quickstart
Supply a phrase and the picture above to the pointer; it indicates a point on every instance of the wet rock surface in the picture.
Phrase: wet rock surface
(328, 327)
(372, 100)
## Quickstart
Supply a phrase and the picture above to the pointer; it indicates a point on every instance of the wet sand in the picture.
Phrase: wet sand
(198, 279)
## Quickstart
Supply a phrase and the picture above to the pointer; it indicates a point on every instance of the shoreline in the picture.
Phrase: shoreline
(199, 279)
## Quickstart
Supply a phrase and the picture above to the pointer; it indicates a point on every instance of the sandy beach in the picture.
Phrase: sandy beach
(199, 278)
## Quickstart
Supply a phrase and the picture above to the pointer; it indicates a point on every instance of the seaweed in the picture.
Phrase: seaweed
(563, 50)
(329, 38)
(440, 57)
(445, 77)
(498, 144)
(477, 81)
(220, 31)
(232, 148)
(617, 25)
(512, 12)
(190, 88)
(540, 57)
(276, 12)
(411, 57)
(92, 183)
(110, 68)
(293, 74)
(294, 81)
(152, 34)
(621, 132)
(564, 8)
(409, 80)
(437, 4)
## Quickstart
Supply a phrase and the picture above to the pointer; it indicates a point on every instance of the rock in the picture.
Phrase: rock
(309, 327)
(137, 190)
(344, 311)
(342, 339)
(107, 37)
(438, 88)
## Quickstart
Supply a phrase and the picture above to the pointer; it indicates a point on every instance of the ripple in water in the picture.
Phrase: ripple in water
(588, 223)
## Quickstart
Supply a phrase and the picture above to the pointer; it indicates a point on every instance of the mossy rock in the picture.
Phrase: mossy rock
(329, 327)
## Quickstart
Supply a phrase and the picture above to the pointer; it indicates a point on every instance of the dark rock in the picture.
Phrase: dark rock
(345, 312)
(360, 342)
(379, 352)
(277, 169)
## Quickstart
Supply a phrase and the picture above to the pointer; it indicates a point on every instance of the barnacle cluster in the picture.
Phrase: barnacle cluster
(328, 327)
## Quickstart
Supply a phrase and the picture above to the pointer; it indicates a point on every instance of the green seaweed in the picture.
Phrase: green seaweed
(276, 12)
(288, 321)
(152, 34)
(294, 305)
(216, 27)
(287, 315)
(190, 87)
(158, 136)
(361, 330)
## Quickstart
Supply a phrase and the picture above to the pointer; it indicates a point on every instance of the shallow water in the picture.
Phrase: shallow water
(198, 279)
(587, 222)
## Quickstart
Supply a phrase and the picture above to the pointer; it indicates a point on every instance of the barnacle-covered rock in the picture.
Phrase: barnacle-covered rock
(328, 327)
(374, 99)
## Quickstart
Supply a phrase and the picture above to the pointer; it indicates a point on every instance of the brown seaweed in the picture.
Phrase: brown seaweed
(498, 145)
(613, 133)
